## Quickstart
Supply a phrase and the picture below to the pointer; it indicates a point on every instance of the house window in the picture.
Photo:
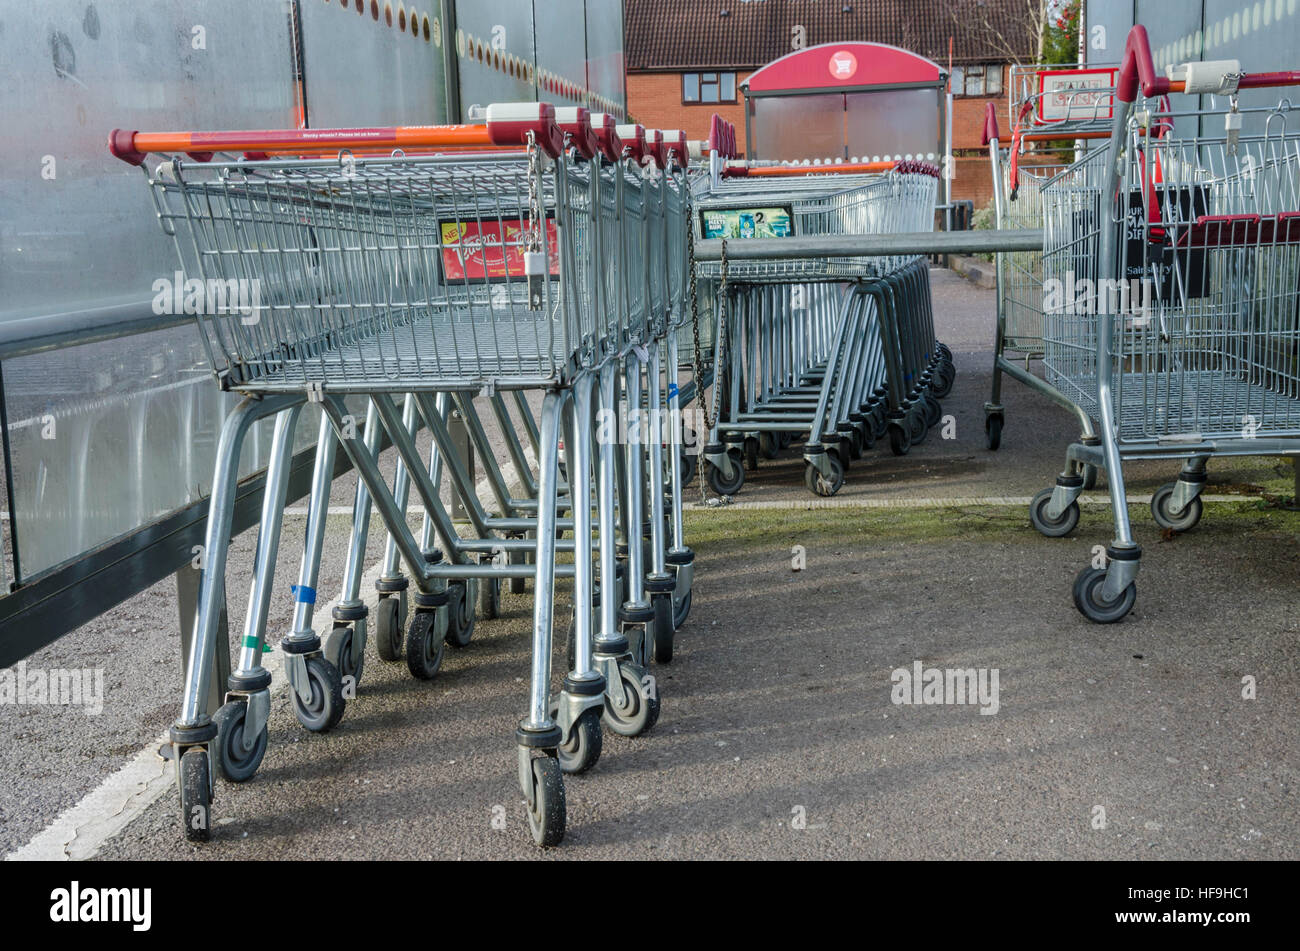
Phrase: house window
(982, 80)
(708, 87)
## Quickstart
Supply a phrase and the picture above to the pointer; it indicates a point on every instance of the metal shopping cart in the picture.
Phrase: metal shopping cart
(1175, 262)
(1055, 112)
(835, 350)
(383, 271)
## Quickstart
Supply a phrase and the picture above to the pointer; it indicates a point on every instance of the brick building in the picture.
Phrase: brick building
(687, 59)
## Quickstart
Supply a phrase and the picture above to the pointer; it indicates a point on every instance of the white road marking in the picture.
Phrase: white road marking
(926, 503)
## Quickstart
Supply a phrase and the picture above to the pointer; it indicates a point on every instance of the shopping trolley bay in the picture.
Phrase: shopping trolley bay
(783, 732)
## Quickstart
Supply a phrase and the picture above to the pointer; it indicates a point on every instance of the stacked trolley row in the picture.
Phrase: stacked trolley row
(385, 270)
(1193, 349)
(837, 351)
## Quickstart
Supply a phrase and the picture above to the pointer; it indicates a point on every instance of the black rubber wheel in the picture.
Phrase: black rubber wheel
(390, 626)
(722, 486)
(1046, 525)
(1166, 518)
(489, 598)
(196, 795)
(933, 411)
(641, 711)
(682, 610)
(327, 704)
(1089, 478)
(944, 377)
(819, 484)
(993, 431)
(546, 815)
(767, 445)
(460, 615)
(233, 763)
(899, 442)
(916, 428)
(424, 648)
(663, 628)
(344, 633)
(689, 461)
(751, 453)
(1088, 599)
(581, 750)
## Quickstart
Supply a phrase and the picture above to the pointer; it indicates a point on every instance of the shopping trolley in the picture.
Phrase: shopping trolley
(1176, 323)
(1055, 110)
(801, 356)
(386, 273)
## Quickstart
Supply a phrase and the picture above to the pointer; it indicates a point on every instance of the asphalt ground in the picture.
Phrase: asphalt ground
(778, 736)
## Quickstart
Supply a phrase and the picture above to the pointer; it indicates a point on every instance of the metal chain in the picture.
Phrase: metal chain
(718, 345)
(534, 240)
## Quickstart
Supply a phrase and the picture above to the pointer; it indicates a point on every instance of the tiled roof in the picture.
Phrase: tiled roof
(744, 34)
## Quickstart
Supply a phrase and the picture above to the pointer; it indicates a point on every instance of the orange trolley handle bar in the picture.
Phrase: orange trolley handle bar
(507, 125)
(739, 170)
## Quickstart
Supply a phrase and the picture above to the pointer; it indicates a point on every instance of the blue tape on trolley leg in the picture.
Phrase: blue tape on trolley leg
(303, 594)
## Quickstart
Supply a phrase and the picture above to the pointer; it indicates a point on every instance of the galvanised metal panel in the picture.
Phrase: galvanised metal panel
(367, 71)
(77, 225)
(559, 36)
(495, 52)
(1108, 23)
(106, 436)
(605, 75)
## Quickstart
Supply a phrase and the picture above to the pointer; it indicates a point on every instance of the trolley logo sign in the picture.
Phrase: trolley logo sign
(843, 64)
(211, 297)
(76, 904)
(1076, 94)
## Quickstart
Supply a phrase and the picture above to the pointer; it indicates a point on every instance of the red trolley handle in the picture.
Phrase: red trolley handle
(1138, 68)
(507, 125)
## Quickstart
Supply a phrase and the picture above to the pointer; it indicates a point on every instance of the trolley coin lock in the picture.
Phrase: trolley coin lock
(535, 270)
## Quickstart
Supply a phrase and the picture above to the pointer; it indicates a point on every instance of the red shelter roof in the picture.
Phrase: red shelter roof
(844, 66)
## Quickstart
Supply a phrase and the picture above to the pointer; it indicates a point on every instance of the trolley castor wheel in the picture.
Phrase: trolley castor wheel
(1092, 604)
(1089, 477)
(993, 431)
(390, 626)
(719, 484)
(639, 710)
(460, 612)
(424, 648)
(689, 462)
(1057, 527)
(545, 799)
(339, 650)
(819, 484)
(899, 441)
(917, 429)
(581, 749)
(664, 629)
(325, 709)
(196, 794)
(237, 761)
(1165, 517)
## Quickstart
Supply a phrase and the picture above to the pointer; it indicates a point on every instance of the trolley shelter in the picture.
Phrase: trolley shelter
(846, 100)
